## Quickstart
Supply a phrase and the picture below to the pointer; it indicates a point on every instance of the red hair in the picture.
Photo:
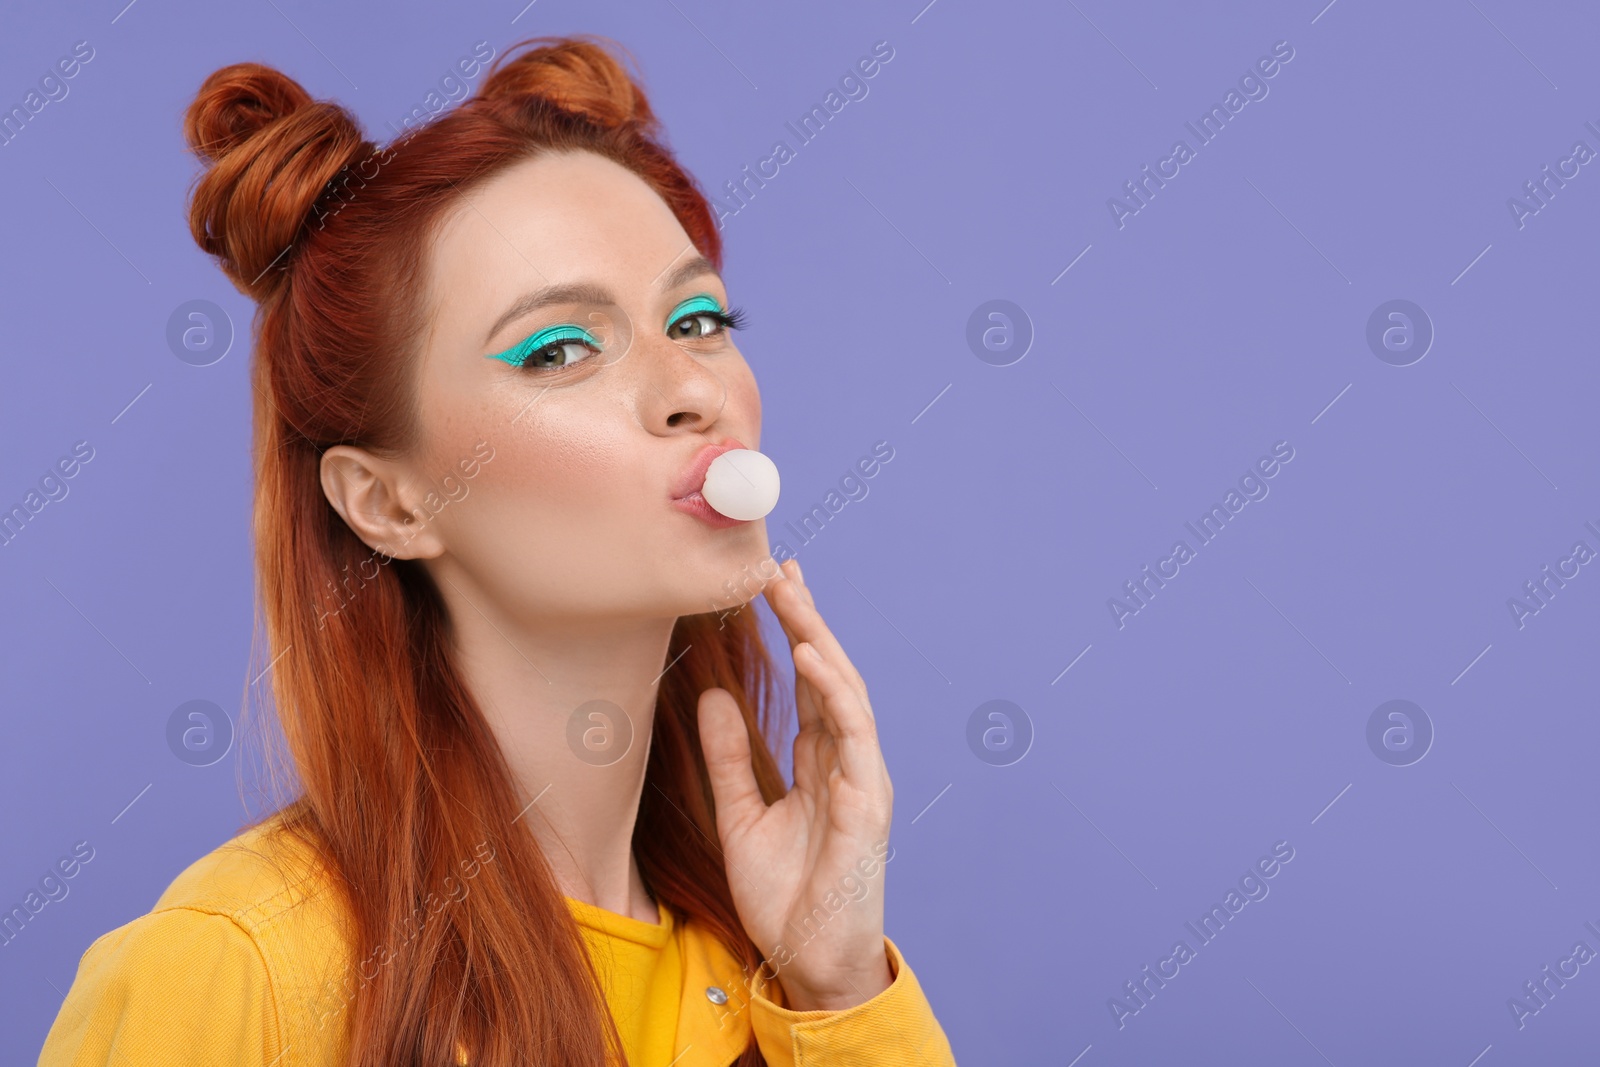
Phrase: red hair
(399, 776)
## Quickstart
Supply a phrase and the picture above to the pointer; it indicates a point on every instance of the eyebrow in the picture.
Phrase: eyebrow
(580, 293)
(692, 268)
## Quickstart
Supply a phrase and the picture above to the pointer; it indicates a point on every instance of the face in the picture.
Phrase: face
(591, 400)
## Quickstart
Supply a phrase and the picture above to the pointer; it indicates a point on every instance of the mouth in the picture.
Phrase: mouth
(694, 475)
(686, 495)
(695, 504)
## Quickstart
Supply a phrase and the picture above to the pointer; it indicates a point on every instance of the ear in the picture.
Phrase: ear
(374, 497)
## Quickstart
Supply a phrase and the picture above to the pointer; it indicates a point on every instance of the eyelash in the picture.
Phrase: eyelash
(732, 319)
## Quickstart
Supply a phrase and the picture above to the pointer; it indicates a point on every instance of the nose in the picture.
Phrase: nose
(677, 389)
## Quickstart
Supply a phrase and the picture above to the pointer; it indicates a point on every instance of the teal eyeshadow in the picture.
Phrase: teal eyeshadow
(518, 353)
(694, 303)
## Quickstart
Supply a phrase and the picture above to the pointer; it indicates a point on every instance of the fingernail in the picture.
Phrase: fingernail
(798, 573)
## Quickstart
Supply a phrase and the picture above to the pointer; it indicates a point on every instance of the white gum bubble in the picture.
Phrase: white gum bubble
(742, 484)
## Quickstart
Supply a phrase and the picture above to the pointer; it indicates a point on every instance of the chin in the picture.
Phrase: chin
(737, 574)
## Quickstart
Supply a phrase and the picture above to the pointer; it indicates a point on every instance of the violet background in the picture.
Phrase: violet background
(1229, 314)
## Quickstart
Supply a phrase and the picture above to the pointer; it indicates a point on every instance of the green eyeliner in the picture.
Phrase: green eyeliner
(702, 302)
(518, 353)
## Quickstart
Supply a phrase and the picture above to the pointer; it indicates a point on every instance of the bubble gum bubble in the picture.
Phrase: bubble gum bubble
(742, 484)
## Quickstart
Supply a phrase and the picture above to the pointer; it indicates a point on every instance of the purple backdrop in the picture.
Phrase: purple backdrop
(1159, 341)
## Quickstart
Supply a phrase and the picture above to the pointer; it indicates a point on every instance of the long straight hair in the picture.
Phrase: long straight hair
(400, 782)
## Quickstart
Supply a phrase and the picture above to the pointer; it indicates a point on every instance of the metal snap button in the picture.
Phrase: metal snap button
(716, 995)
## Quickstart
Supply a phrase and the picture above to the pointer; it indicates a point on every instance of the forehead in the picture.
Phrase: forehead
(559, 218)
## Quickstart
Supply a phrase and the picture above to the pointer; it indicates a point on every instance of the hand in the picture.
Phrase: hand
(791, 865)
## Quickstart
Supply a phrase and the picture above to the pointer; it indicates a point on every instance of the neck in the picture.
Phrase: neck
(571, 703)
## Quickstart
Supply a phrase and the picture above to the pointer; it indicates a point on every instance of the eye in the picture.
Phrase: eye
(558, 354)
(701, 324)
(551, 348)
(701, 316)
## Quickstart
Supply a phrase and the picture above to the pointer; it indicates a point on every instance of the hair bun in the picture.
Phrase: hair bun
(272, 150)
(577, 73)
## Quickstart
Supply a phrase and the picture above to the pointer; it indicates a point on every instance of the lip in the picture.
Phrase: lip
(695, 504)
(686, 496)
(694, 475)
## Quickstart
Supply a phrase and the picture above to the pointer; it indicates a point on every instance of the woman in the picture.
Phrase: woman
(536, 818)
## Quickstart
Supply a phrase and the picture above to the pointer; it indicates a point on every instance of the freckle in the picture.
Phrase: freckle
(566, 449)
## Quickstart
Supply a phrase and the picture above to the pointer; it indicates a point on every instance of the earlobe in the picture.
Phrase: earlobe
(369, 495)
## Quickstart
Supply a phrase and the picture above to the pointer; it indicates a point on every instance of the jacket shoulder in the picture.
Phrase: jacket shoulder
(257, 878)
(273, 885)
(244, 959)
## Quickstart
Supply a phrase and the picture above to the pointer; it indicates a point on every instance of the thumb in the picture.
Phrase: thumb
(726, 743)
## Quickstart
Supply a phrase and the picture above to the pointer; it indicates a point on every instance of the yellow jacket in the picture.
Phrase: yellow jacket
(244, 961)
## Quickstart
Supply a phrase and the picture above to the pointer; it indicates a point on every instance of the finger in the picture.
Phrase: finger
(814, 628)
(807, 706)
(793, 607)
(788, 603)
(813, 755)
(797, 613)
(807, 700)
(725, 741)
(784, 577)
(849, 720)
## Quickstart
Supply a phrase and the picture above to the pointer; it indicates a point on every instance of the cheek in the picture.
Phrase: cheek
(566, 452)
(560, 467)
